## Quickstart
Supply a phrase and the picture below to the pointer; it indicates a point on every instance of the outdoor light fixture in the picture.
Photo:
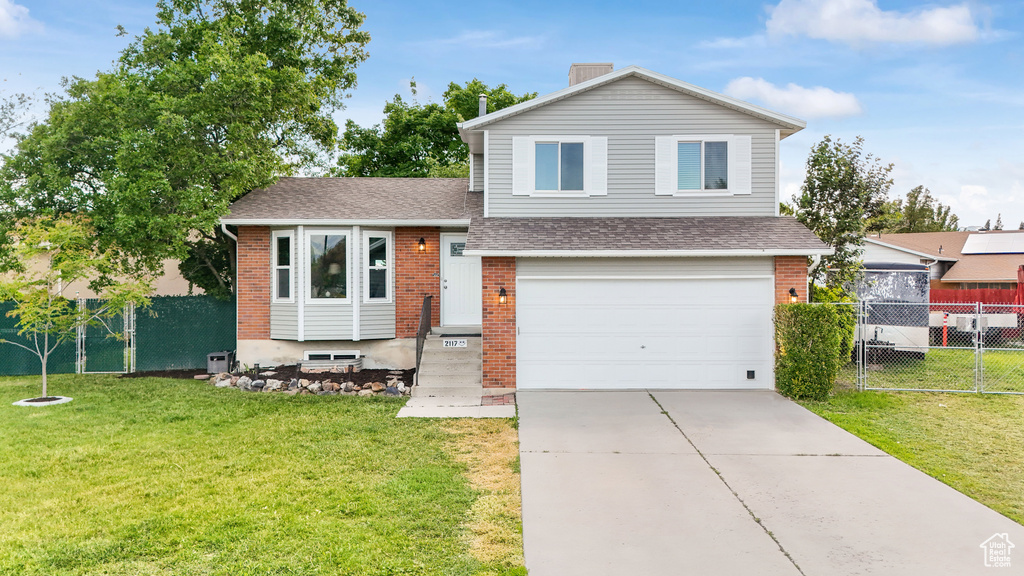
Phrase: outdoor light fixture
(502, 296)
(793, 295)
(423, 245)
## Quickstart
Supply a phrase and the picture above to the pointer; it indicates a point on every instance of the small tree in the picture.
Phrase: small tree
(843, 189)
(999, 222)
(45, 316)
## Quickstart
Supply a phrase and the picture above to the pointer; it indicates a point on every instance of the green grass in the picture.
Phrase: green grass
(944, 369)
(972, 442)
(168, 476)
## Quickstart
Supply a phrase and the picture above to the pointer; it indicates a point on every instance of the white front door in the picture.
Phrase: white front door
(461, 277)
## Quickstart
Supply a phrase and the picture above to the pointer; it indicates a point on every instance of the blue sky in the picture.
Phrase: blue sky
(935, 88)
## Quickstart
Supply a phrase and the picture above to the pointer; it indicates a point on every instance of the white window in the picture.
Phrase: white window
(283, 257)
(377, 250)
(328, 266)
(702, 165)
(560, 165)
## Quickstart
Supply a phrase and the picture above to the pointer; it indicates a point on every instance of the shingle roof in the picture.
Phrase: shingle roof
(985, 268)
(332, 199)
(968, 267)
(749, 234)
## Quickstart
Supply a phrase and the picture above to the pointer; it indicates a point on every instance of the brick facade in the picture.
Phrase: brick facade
(417, 274)
(790, 272)
(254, 270)
(499, 323)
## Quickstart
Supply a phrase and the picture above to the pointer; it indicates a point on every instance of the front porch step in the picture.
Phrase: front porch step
(460, 330)
(473, 343)
(424, 401)
(447, 391)
(451, 368)
(435, 355)
(445, 380)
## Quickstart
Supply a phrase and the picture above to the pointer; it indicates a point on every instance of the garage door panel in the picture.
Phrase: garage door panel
(632, 333)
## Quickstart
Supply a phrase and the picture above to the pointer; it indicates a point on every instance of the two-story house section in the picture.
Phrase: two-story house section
(620, 233)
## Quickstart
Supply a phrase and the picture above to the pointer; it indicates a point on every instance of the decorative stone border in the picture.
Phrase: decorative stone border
(393, 386)
(50, 401)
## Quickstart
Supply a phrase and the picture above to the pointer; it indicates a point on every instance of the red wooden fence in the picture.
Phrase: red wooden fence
(985, 295)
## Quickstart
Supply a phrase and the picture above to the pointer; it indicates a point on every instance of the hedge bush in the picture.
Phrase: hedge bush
(811, 342)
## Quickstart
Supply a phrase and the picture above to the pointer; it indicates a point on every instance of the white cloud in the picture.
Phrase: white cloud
(14, 20)
(858, 22)
(485, 39)
(817, 102)
(755, 41)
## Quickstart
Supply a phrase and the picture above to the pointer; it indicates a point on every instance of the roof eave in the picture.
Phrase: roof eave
(649, 253)
(344, 222)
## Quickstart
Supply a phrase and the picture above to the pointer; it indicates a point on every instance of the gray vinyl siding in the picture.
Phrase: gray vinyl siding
(376, 321)
(478, 172)
(625, 267)
(328, 322)
(631, 113)
(284, 321)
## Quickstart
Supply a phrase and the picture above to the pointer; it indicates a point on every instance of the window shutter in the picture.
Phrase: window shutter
(740, 166)
(522, 165)
(665, 165)
(598, 166)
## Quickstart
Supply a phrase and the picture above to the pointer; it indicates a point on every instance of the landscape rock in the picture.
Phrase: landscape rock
(316, 387)
(377, 386)
(244, 383)
(272, 385)
(258, 384)
(392, 391)
(225, 383)
(303, 383)
(366, 392)
(331, 386)
(401, 386)
(349, 387)
(201, 376)
(234, 380)
(293, 384)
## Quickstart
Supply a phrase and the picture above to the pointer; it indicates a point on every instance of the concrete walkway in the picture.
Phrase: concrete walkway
(708, 482)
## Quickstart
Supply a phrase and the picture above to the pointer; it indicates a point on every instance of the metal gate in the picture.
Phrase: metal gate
(940, 347)
(107, 346)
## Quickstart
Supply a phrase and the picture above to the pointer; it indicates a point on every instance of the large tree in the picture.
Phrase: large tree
(221, 97)
(420, 140)
(844, 186)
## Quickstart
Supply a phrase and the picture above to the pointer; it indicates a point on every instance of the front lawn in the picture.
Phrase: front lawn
(153, 475)
(944, 369)
(972, 442)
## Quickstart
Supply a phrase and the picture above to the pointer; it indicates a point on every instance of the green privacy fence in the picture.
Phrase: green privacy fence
(15, 361)
(177, 332)
(174, 332)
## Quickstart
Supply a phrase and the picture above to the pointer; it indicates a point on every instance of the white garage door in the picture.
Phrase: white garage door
(649, 333)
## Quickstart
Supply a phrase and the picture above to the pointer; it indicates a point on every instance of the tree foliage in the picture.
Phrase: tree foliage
(69, 248)
(919, 212)
(844, 186)
(420, 140)
(221, 97)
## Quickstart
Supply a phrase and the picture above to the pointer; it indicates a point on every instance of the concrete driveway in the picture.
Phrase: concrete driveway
(713, 482)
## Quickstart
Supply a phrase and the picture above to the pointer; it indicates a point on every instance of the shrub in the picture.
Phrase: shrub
(810, 342)
(847, 312)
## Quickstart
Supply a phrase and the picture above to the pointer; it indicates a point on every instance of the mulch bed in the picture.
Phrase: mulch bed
(285, 373)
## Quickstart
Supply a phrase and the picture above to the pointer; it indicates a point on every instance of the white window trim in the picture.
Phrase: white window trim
(595, 166)
(667, 165)
(366, 267)
(290, 234)
(307, 263)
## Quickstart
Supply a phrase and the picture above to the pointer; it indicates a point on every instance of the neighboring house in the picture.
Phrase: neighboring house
(622, 232)
(956, 260)
(170, 283)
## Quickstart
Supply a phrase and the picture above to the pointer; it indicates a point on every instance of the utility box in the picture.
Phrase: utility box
(217, 362)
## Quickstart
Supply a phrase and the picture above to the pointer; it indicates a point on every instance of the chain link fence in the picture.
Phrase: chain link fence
(174, 332)
(939, 347)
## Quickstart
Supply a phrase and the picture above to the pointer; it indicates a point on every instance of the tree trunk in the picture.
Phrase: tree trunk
(43, 358)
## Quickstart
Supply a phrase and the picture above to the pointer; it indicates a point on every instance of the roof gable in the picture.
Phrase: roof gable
(787, 124)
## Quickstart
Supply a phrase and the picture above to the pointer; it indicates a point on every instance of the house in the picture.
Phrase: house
(965, 260)
(622, 232)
